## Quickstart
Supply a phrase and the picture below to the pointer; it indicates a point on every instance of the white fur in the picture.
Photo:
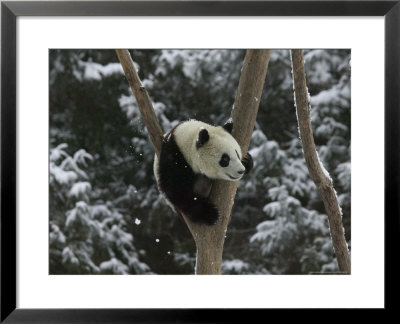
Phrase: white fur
(206, 159)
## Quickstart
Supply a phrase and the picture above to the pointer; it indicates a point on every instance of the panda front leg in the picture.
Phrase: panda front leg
(202, 185)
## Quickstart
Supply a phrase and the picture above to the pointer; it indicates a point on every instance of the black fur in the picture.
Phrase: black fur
(202, 138)
(202, 185)
(247, 162)
(228, 126)
(176, 181)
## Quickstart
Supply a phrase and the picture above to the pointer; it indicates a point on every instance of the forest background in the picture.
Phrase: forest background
(106, 214)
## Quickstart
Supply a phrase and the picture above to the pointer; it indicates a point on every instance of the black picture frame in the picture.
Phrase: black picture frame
(9, 13)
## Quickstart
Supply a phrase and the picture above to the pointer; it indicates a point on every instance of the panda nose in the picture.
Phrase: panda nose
(241, 172)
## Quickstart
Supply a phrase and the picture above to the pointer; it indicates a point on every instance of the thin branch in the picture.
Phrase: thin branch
(143, 100)
(317, 172)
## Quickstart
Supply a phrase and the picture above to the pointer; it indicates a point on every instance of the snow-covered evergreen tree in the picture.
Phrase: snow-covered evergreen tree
(85, 236)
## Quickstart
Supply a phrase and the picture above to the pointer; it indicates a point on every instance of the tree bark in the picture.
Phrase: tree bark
(210, 239)
(317, 171)
(143, 100)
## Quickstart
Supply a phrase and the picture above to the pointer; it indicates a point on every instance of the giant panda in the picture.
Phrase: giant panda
(193, 154)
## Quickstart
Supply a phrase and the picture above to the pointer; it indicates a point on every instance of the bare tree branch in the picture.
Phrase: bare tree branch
(317, 172)
(143, 100)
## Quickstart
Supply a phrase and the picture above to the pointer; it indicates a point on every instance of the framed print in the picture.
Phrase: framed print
(53, 55)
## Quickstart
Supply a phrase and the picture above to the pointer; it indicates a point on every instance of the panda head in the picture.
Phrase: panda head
(218, 154)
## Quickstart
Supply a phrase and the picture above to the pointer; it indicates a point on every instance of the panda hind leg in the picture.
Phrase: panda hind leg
(200, 210)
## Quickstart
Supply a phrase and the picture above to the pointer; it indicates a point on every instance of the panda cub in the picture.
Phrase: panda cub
(193, 154)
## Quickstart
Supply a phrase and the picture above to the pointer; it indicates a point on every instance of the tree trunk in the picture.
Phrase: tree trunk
(210, 239)
(317, 171)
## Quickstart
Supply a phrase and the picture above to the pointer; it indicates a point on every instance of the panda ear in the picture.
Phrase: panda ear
(228, 126)
(202, 138)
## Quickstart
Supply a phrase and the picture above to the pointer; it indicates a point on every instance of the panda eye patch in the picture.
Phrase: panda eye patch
(224, 162)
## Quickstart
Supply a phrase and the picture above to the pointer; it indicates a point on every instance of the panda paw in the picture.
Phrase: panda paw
(248, 163)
